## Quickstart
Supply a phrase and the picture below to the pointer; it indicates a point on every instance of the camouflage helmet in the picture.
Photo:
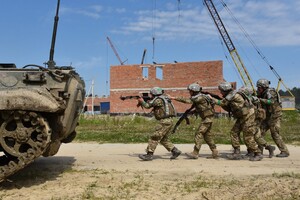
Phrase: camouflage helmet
(156, 91)
(195, 87)
(264, 83)
(225, 86)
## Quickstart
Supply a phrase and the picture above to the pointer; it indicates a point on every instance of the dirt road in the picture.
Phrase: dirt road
(114, 171)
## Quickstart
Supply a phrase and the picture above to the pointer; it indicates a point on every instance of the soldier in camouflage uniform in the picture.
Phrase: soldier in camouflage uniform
(204, 108)
(242, 109)
(163, 110)
(259, 117)
(270, 101)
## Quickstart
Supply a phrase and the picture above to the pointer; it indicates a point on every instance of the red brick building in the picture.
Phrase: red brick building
(96, 105)
(172, 77)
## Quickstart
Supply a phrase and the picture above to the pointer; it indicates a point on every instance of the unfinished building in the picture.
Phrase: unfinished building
(126, 80)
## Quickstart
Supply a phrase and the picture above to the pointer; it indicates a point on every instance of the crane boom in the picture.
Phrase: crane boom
(115, 51)
(229, 44)
(143, 57)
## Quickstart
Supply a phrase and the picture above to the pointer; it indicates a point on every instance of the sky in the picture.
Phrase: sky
(182, 30)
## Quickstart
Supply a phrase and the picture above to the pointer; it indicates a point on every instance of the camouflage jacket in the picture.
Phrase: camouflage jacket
(237, 103)
(201, 102)
(162, 107)
(271, 102)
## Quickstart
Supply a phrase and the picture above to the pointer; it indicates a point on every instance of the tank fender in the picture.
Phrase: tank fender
(34, 99)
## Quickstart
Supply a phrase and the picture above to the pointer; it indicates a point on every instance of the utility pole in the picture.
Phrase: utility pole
(91, 91)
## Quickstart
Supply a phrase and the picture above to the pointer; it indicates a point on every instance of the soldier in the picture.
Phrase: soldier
(242, 109)
(259, 117)
(271, 103)
(204, 108)
(163, 110)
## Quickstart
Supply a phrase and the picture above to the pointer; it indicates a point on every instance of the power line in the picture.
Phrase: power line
(264, 58)
(153, 26)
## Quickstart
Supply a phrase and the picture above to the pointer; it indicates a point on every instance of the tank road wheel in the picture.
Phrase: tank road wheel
(24, 136)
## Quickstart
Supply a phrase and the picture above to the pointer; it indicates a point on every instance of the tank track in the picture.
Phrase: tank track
(24, 136)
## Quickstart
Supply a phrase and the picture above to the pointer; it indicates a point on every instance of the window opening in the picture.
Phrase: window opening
(145, 72)
(159, 72)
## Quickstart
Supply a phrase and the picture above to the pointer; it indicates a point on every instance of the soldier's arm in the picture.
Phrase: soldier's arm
(223, 103)
(268, 101)
(156, 103)
(219, 102)
(183, 100)
(144, 104)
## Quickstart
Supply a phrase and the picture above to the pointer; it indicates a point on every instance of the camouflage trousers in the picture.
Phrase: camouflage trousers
(273, 124)
(161, 135)
(258, 136)
(204, 133)
(245, 124)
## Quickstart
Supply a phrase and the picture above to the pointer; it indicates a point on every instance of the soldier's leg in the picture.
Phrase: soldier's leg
(262, 143)
(235, 134)
(258, 138)
(209, 139)
(198, 140)
(165, 141)
(153, 142)
(274, 129)
(164, 130)
(249, 131)
(264, 127)
(235, 141)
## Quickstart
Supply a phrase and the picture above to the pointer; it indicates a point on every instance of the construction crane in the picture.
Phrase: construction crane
(289, 101)
(115, 51)
(143, 57)
(229, 44)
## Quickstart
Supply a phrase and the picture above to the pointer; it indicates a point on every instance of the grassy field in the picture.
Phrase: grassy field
(137, 129)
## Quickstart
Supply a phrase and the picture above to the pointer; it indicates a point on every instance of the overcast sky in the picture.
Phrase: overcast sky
(183, 31)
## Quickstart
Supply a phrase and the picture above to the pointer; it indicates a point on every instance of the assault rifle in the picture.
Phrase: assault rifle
(191, 110)
(146, 98)
(213, 95)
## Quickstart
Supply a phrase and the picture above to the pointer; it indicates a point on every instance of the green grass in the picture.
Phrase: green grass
(137, 129)
(287, 174)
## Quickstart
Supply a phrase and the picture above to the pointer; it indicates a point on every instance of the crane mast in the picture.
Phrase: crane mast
(229, 44)
(115, 51)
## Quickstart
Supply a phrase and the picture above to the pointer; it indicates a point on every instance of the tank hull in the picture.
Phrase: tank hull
(39, 110)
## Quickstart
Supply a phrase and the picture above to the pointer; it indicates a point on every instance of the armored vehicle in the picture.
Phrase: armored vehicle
(39, 110)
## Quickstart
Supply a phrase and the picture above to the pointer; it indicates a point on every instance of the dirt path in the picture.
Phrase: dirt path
(114, 171)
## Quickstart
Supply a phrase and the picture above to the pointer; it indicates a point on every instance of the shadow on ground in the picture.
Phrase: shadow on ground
(41, 170)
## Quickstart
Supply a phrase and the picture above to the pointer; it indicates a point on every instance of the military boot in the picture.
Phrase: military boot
(282, 155)
(236, 155)
(249, 153)
(175, 153)
(214, 155)
(146, 157)
(256, 157)
(271, 150)
(192, 155)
